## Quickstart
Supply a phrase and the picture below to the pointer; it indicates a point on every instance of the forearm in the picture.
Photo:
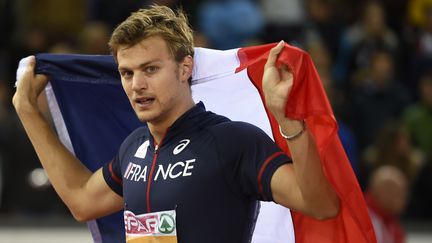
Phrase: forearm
(74, 183)
(302, 186)
(317, 194)
(66, 173)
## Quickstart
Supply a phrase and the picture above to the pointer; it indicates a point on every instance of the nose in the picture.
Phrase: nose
(139, 82)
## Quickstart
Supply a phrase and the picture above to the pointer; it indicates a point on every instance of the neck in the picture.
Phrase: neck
(158, 129)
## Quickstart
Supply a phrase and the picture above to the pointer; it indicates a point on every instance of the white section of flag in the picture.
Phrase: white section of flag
(234, 96)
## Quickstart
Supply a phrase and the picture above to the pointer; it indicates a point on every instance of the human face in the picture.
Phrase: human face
(154, 82)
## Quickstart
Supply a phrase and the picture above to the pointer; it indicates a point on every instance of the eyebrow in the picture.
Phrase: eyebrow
(120, 68)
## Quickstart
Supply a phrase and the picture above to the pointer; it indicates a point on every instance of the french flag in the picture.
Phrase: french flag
(92, 116)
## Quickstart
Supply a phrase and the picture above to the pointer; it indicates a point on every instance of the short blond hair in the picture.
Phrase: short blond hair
(161, 21)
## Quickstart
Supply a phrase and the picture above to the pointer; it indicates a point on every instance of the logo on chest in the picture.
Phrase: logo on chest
(136, 172)
(139, 171)
(142, 150)
(181, 146)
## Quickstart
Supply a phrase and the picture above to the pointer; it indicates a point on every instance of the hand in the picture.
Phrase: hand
(277, 83)
(29, 87)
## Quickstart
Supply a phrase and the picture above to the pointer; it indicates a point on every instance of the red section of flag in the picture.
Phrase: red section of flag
(308, 101)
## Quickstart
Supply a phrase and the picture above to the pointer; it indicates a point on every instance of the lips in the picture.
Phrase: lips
(144, 102)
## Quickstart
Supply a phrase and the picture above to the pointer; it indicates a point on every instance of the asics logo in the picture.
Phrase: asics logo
(181, 146)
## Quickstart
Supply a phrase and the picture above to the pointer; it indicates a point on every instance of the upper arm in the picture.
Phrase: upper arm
(285, 189)
(105, 187)
(249, 158)
(100, 199)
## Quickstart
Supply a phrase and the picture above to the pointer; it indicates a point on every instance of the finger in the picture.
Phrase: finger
(286, 74)
(41, 78)
(41, 81)
(25, 69)
(274, 53)
(32, 60)
(31, 63)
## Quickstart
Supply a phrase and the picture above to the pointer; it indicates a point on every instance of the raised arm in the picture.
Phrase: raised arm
(301, 186)
(86, 194)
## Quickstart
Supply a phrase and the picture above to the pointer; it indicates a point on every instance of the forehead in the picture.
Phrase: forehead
(149, 49)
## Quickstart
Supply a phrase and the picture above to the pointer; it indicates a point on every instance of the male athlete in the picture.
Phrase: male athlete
(187, 164)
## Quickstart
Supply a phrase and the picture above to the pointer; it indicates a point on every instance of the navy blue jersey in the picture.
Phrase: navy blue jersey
(210, 170)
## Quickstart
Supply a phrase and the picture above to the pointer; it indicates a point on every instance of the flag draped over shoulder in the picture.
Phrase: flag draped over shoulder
(92, 116)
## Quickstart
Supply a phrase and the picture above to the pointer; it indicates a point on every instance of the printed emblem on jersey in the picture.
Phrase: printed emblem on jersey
(142, 150)
(150, 227)
(181, 146)
(135, 172)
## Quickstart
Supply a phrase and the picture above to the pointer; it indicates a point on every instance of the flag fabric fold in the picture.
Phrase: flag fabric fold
(87, 92)
(308, 101)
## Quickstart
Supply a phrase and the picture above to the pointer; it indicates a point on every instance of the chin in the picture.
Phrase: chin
(146, 116)
(142, 117)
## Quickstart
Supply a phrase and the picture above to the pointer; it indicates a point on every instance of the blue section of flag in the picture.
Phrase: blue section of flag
(96, 112)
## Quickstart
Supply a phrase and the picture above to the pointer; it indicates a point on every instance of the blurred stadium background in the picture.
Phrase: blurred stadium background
(374, 58)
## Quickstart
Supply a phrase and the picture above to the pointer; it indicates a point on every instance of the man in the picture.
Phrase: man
(187, 164)
(386, 197)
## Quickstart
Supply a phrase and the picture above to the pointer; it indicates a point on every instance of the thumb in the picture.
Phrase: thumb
(31, 61)
(25, 66)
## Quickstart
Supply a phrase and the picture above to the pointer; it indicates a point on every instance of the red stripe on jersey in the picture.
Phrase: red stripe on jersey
(261, 172)
(113, 175)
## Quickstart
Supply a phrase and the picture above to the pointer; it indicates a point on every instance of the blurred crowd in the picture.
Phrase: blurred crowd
(374, 58)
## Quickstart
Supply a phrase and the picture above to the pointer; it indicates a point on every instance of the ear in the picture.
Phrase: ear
(186, 68)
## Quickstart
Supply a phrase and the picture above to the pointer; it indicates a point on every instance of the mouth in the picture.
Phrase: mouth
(143, 102)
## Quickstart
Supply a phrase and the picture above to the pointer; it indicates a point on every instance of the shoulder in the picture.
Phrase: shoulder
(209, 119)
(237, 126)
(237, 130)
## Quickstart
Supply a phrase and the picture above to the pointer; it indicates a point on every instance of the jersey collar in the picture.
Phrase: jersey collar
(185, 122)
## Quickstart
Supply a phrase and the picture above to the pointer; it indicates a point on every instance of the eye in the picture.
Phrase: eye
(126, 74)
(151, 69)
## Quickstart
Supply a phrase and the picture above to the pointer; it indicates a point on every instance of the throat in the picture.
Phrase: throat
(159, 127)
(158, 132)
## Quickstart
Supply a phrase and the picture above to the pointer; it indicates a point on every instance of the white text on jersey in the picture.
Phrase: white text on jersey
(136, 172)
